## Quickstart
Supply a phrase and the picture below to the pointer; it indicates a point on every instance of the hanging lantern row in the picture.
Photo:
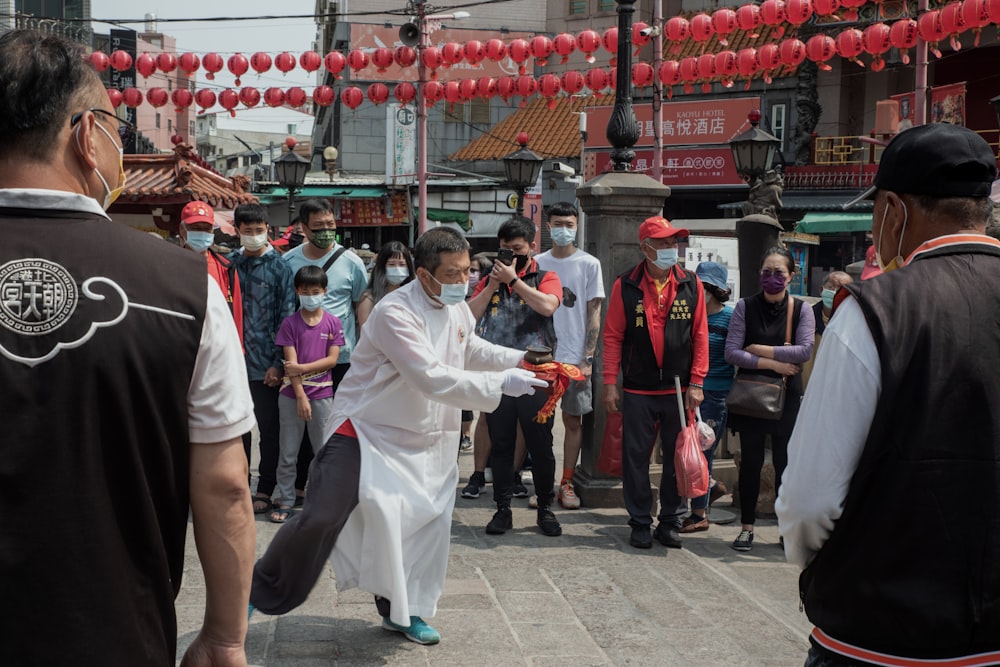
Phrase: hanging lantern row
(228, 99)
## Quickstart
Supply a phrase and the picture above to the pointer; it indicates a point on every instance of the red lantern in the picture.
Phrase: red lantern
(706, 66)
(701, 27)
(825, 7)
(725, 66)
(768, 57)
(474, 51)
(487, 87)
(357, 60)
(166, 62)
(433, 92)
(640, 35)
(405, 56)
(322, 95)
(930, 30)
(678, 29)
(596, 79)
(992, 9)
(746, 62)
(541, 48)
(378, 93)
(564, 44)
(875, 39)
(819, 49)
(852, 8)
(157, 97)
(519, 51)
(748, 18)
(335, 62)
(506, 87)
(352, 97)
(772, 13)
(250, 97)
(526, 85)
(121, 60)
(976, 15)
(798, 12)
(549, 87)
(115, 97)
(145, 65)
(182, 99)
(724, 23)
(572, 82)
(609, 40)
(189, 63)
(496, 50)
(99, 60)
(953, 23)
(613, 78)
(452, 54)
(382, 59)
(132, 97)
(643, 75)
(274, 97)
(310, 61)
(204, 98)
(213, 63)
(689, 73)
(792, 52)
(452, 93)
(228, 100)
(467, 88)
(588, 41)
(405, 92)
(432, 59)
(669, 75)
(284, 62)
(260, 62)
(238, 65)
(296, 97)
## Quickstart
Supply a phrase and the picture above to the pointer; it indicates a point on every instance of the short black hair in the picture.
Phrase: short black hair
(562, 209)
(249, 213)
(45, 80)
(311, 206)
(430, 245)
(784, 252)
(310, 275)
(518, 227)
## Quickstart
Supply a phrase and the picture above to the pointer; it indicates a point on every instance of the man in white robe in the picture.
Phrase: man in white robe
(382, 489)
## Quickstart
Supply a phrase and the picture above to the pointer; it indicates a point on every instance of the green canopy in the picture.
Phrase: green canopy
(834, 223)
(460, 218)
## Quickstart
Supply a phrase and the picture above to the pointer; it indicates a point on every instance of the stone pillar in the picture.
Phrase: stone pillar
(756, 234)
(616, 203)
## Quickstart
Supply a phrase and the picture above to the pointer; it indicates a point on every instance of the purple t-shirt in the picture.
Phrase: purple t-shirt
(311, 343)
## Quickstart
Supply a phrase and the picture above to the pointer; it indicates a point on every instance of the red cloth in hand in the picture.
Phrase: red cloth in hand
(558, 375)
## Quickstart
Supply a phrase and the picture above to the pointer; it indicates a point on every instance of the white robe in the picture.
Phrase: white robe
(416, 366)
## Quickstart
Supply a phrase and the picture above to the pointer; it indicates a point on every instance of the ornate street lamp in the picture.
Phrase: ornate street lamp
(623, 128)
(522, 168)
(330, 157)
(290, 169)
(753, 151)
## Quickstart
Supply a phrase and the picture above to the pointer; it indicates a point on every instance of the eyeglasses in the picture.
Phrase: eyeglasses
(767, 273)
(126, 130)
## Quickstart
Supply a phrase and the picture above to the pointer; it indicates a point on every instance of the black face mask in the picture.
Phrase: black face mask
(295, 240)
(520, 261)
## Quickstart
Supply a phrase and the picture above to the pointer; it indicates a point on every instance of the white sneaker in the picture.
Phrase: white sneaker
(527, 478)
(488, 474)
(568, 498)
(533, 502)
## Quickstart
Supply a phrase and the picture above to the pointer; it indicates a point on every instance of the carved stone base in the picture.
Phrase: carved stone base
(598, 491)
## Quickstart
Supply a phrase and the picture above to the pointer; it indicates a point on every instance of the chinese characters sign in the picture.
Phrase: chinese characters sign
(401, 144)
(372, 212)
(684, 123)
(682, 167)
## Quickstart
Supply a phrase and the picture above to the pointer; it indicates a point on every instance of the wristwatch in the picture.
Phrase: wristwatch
(513, 282)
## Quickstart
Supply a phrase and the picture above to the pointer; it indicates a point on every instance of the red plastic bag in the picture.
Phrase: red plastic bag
(690, 465)
(610, 460)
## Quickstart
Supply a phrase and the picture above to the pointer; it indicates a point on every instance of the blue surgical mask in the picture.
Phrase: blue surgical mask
(311, 301)
(451, 294)
(563, 236)
(200, 241)
(665, 258)
(396, 274)
(828, 295)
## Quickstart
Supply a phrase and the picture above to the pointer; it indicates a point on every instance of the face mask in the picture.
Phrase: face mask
(772, 284)
(396, 274)
(324, 238)
(200, 241)
(311, 301)
(253, 243)
(828, 295)
(451, 294)
(113, 194)
(563, 236)
(665, 258)
(520, 261)
(473, 278)
(897, 261)
(295, 240)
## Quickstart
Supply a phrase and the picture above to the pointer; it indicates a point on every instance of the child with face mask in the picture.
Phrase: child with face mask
(393, 269)
(311, 340)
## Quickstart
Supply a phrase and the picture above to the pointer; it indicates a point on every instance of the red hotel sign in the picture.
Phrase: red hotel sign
(684, 123)
(682, 167)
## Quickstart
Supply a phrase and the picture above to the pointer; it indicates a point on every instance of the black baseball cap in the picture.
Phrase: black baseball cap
(936, 160)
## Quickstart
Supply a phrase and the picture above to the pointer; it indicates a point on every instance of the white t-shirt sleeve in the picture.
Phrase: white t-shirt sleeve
(219, 403)
(830, 434)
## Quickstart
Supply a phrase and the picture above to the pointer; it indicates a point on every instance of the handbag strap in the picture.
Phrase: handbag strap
(788, 323)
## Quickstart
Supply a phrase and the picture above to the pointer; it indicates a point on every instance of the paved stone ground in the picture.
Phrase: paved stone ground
(585, 598)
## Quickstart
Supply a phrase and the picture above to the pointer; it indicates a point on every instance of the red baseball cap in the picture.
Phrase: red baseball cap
(659, 227)
(198, 211)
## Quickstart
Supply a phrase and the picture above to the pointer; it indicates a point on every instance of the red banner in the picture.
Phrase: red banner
(371, 212)
(684, 123)
(682, 167)
(947, 106)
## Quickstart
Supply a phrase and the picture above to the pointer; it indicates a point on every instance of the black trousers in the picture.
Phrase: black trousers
(502, 424)
(306, 448)
(265, 409)
(752, 462)
(640, 413)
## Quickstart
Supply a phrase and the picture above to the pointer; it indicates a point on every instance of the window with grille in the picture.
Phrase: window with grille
(605, 5)
(479, 112)
(778, 123)
(577, 6)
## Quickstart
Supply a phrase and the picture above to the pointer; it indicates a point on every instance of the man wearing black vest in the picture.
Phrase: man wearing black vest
(890, 497)
(656, 328)
(124, 396)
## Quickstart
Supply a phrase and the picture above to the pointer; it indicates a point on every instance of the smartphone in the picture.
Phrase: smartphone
(505, 256)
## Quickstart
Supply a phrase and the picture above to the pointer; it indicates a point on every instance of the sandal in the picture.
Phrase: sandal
(261, 503)
(281, 515)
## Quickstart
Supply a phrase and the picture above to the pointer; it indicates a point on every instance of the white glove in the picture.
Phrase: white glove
(518, 382)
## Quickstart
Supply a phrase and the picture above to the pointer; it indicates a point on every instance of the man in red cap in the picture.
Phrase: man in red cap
(197, 232)
(656, 329)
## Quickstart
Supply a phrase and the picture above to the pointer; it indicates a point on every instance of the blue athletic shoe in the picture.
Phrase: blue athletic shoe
(418, 631)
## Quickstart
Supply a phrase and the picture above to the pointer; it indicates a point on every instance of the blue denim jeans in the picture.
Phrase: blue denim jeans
(714, 413)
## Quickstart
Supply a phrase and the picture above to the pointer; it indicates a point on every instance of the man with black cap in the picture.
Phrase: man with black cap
(889, 500)
(656, 328)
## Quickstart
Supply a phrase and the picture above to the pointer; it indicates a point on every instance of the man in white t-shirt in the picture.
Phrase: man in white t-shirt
(577, 324)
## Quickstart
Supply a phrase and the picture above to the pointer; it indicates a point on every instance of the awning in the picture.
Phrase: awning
(834, 223)
(333, 191)
(460, 218)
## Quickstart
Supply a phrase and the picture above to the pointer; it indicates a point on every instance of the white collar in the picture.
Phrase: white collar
(47, 200)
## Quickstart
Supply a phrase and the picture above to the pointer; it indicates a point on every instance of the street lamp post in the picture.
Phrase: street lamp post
(522, 168)
(290, 169)
(623, 128)
(330, 155)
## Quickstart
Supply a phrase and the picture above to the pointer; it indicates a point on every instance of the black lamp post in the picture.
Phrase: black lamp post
(623, 128)
(522, 168)
(290, 169)
(753, 151)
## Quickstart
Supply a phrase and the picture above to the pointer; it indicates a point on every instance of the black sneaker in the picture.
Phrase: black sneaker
(548, 523)
(641, 537)
(668, 536)
(475, 486)
(519, 490)
(501, 522)
(743, 541)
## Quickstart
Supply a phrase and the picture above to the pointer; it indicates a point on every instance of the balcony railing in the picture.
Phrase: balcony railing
(76, 31)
